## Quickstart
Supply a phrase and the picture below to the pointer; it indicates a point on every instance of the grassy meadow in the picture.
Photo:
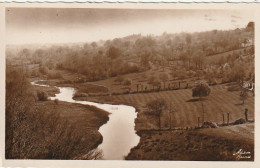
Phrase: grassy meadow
(186, 108)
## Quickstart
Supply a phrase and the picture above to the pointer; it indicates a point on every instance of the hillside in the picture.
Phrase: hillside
(196, 145)
(187, 109)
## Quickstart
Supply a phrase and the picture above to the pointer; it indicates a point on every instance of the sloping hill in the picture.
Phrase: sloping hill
(188, 109)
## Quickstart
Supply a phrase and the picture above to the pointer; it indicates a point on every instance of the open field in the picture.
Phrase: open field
(187, 108)
(203, 144)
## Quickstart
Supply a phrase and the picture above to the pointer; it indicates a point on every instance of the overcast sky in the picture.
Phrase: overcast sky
(53, 25)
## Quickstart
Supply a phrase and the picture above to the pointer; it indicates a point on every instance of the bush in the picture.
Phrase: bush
(42, 96)
(209, 124)
(240, 121)
(201, 89)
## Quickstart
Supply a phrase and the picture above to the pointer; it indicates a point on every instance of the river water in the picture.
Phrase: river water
(119, 134)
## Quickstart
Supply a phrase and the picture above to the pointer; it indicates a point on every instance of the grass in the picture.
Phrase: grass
(85, 119)
(193, 145)
(220, 101)
(80, 114)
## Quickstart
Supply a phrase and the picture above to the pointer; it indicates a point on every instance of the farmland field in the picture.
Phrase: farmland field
(187, 108)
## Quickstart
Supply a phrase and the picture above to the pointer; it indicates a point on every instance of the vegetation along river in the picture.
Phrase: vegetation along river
(119, 134)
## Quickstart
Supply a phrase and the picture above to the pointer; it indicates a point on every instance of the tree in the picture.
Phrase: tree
(250, 25)
(128, 83)
(171, 108)
(25, 53)
(237, 73)
(200, 90)
(183, 58)
(152, 80)
(85, 46)
(113, 53)
(164, 78)
(145, 57)
(156, 107)
(94, 44)
(188, 41)
(243, 95)
(181, 74)
(198, 59)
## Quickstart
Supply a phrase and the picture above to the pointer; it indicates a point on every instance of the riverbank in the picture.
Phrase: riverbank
(85, 119)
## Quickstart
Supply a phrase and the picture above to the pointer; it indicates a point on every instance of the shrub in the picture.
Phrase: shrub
(209, 124)
(240, 121)
(42, 96)
(201, 89)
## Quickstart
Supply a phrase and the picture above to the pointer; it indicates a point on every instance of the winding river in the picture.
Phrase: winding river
(119, 134)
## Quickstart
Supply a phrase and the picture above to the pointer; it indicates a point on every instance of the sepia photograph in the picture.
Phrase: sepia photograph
(129, 84)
